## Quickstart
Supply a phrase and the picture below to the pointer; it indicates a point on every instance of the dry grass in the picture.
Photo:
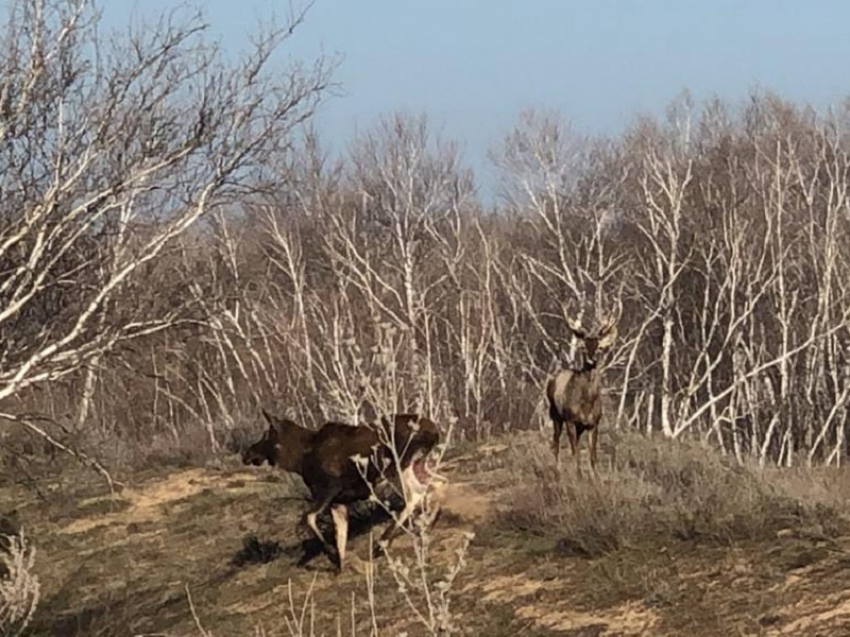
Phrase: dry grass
(19, 585)
(654, 491)
(683, 543)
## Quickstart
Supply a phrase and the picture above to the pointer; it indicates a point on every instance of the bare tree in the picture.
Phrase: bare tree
(111, 148)
(392, 232)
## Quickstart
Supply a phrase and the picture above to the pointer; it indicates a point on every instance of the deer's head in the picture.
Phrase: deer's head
(596, 342)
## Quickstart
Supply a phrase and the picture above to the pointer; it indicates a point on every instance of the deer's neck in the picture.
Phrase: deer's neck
(588, 367)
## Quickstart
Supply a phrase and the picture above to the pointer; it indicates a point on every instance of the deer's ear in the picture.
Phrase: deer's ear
(607, 338)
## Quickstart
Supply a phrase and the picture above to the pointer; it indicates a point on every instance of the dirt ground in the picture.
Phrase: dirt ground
(217, 548)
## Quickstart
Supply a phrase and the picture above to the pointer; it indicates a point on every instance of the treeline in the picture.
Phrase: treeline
(330, 287)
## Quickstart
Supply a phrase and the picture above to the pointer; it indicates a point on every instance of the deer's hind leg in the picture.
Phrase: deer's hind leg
(558, 429)
(593, 435)
(574, 431)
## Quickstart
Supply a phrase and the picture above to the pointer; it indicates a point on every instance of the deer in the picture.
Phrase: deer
(574, 395)
(342, 464)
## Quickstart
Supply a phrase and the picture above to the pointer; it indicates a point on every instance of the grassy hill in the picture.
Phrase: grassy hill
(670, 539)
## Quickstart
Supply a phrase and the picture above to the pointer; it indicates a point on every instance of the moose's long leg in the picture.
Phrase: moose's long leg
(339, 513)
(312, 515)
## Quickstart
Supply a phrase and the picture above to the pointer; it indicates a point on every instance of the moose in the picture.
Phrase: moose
(331, 462)
(574, 394)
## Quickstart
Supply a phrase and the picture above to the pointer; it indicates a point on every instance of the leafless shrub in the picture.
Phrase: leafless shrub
(428, 594)
(19, 586)
(426, 591)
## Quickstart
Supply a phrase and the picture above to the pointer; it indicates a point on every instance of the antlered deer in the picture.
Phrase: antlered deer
(574, 394)
(325, 460)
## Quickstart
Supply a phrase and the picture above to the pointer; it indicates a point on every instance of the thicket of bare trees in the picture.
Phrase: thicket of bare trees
(111, 147)
(317, 287)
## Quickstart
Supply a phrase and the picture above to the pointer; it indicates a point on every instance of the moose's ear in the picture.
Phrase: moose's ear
(269, 418)
(607, 337)
(271, 433)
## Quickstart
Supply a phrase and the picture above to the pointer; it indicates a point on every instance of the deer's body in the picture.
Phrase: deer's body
(324, 460)
(575, 397)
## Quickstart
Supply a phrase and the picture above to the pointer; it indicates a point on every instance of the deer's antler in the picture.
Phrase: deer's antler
(572, 323)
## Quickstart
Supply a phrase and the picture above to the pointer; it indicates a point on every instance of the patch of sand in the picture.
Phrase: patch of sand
(506, 588)
(146, 500)
(632, 618)
(464, 500)
(815, 614)
(258, 602)
(492, 449)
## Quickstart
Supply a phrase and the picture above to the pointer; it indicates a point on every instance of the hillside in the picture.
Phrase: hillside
(669, 540)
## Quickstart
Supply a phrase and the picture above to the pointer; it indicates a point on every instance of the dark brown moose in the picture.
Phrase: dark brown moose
(326, 459)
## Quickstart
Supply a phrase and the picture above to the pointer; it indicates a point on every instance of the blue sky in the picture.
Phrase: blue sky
(473, 65)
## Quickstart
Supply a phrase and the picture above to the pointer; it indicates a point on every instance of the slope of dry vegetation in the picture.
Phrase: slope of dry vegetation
(653, 493)
(756, 553)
